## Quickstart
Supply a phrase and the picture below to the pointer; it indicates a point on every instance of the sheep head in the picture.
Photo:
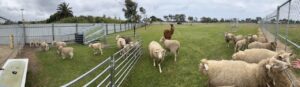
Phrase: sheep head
(284, 56)
(274, 64)
(160, 53)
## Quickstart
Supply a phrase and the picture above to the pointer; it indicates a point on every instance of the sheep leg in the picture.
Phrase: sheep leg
(154, 62)
(159, 68)
(71, 55)
(63, 56)
(175, 57)
(101, 51)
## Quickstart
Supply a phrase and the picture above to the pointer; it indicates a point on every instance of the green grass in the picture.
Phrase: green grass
(197, 42)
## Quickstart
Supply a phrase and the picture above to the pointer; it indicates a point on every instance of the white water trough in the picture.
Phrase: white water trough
(14, 73)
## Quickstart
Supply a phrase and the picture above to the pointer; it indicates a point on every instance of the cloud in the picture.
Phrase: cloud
(42, 9)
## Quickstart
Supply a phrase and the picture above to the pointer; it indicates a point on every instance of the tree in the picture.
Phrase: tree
(153, 19)
(166, 18)
(130, 11)
(222, 20)
(142, 10)
(64, 10)
(191, 19)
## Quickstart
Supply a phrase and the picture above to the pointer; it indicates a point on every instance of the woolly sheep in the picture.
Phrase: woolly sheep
(127, 39)
(237, 38)
(240, 45)
(96, 48)
(240, 73)
(121, 43)
(171, 45)
(59, 43)
(256, 55)
(269, 45)
(44, 46)
(252, 38)
(157, 53)
(66, 51)
(228, 38)
(262, 39)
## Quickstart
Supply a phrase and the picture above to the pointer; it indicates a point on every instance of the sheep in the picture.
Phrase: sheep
(269, 45)
(121, 43)
(172, 46)
(228, 37)
(44, 46)
(252, 38)
(127, 39)
(256, 55)
(157, 53)
(66, 51)
(58, 44)
(169, 32)
(32, 43)
(262, 39)
(241, 44)
(241, 73)
(237, 38)
(97, 47)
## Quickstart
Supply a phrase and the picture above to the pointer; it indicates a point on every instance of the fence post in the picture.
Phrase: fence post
(106, 28)
(76, 27)
(53, 32)
(114, 28)
(120, 26)
(112, 65)
(277, 23)
(134, 31)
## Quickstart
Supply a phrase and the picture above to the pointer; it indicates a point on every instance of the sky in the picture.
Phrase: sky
(42, 9)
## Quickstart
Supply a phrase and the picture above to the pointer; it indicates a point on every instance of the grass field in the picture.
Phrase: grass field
(197, 41)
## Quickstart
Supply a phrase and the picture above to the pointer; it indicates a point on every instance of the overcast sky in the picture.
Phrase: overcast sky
(41, 9)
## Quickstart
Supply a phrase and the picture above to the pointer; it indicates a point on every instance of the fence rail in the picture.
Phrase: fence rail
(119, 66)
(284, 23)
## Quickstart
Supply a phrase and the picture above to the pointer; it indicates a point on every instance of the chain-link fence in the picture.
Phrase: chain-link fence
(283, 24)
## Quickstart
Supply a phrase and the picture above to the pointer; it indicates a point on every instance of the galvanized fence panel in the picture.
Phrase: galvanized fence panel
(284, 23)
(113, 75)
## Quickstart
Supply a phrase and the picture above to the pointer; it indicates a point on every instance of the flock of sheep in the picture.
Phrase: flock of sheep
(122, 42)
(258, 65)
(158, 52)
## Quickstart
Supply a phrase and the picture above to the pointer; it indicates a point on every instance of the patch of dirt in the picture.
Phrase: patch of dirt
(34, 67)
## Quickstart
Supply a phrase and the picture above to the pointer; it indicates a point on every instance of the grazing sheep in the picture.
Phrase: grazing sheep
(228, 38)
(269, 45)
(256, 55)
(241, 73)
(157, 53)
(237, 38)
(171, 45)
(97, 47)
(66, 51)
(241, 45)
(44, 46)
(169, 32)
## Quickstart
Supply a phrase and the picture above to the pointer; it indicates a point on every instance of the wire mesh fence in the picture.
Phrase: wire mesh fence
(284, 24)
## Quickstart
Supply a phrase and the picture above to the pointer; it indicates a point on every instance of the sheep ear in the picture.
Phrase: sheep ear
(268, 66)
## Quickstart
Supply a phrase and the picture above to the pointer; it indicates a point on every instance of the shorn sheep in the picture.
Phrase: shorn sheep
(256, 55)
(270, 45)
(228, 38)
(241, 73)
(157, 53)
(66, 51)
(97, 48)
(172, 46)
(44, 46)
(169, 32)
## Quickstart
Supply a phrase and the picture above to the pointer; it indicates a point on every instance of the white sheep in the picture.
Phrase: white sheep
(241, 45)
(237, 38)
(241, 73)
(171, 45)
(228, 38)
(157, 53)
(44, 46)
(58, 44)
(252, 38)
(121, 43)
(270, 45)
(262, 39)
(66, 51)
(256, 55)
(97, 47)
